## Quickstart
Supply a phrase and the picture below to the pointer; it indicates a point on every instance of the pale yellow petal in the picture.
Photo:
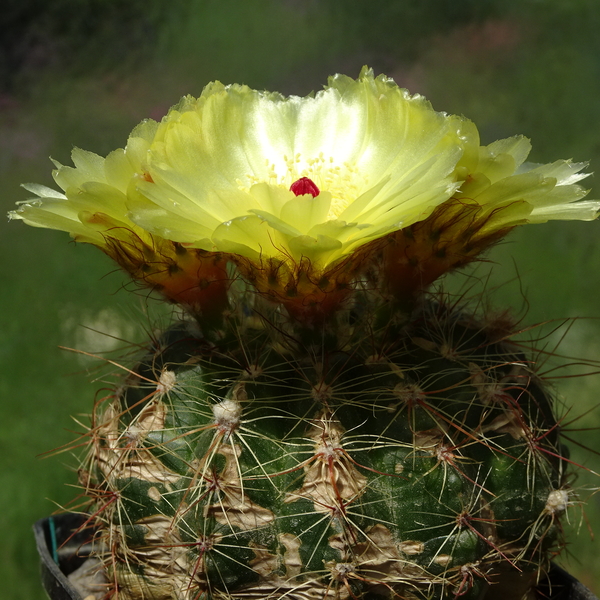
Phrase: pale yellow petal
(518, 147)
(565, 172)
(269, 198)
(249, 236)
(118, 170)
(580, 211)
(57, 214)
(42, 191)
(318, 250)
(305, 211)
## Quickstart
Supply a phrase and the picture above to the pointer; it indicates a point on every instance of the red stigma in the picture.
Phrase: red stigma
(304, 185)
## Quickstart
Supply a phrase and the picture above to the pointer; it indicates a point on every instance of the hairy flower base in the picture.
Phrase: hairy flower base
(310, 295)
(405, 263)
(454, 235)
(193, 278)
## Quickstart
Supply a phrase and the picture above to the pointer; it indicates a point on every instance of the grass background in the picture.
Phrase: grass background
(84, 72)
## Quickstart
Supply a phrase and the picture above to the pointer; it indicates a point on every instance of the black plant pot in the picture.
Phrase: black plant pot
(64, 544)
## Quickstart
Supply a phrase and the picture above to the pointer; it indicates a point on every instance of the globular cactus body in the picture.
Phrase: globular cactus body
(417, 460)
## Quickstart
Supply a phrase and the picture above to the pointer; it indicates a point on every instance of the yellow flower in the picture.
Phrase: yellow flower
(301, 193)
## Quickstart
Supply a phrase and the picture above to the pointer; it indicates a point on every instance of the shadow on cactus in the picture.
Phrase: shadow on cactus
(320, 424)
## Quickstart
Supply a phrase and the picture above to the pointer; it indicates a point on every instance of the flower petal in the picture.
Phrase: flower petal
(249, 236)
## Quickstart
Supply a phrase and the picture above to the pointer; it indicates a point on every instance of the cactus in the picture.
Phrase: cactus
(323, 423)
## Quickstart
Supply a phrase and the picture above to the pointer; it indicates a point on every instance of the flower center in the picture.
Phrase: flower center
(304, 185)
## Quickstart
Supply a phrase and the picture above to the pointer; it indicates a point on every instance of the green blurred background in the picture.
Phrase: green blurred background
(84, 72)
